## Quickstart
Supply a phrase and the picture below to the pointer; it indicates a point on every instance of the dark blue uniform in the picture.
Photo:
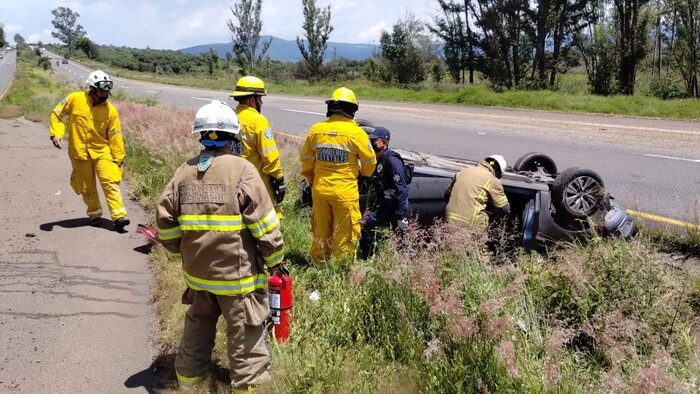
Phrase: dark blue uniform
(391, 206)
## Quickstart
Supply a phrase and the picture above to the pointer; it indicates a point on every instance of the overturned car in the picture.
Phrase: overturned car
(546, 205)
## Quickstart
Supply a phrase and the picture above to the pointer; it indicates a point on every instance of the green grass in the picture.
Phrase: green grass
(572, 95)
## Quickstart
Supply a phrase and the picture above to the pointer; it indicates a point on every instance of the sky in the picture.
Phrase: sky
(177, 24)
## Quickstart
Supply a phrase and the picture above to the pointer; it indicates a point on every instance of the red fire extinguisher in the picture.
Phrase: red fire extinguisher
(280, 287)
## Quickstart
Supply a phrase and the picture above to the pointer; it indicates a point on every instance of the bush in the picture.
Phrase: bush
(44, 63)
(666, 87)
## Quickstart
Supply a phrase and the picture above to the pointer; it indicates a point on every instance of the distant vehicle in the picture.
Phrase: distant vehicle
(64, 61)
(48, 57)
(0, 55)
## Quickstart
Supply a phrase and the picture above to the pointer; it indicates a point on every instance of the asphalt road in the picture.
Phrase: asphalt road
(648, 165)
(7, 70)
(74, 299)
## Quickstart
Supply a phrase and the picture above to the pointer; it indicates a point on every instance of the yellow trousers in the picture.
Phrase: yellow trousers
(335, 226)
(82, 180)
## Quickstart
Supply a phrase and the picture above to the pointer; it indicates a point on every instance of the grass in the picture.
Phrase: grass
(572, 95)
(440, 315)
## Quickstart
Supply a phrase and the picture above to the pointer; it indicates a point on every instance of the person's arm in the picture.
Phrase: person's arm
(368, 159)
(498, 198)
(307, 157)
(399, 179)
(57, 129)
(267, 148)
(260, 217)
(167, 213)
(115, 138)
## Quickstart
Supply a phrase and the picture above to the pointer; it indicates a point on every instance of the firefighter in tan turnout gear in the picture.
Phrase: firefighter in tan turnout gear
(216, 212)
(473, 190)
(334, 153)
(257, 141)
(95, 147)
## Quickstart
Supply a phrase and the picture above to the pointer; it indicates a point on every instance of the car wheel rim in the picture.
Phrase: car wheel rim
(581, 195)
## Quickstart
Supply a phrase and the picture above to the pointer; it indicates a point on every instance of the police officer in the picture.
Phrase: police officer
(390, 185)
(217, 213)
(473, 190)
(257, 140)
(334, 153)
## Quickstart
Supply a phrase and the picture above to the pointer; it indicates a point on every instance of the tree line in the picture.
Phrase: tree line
(512, 44)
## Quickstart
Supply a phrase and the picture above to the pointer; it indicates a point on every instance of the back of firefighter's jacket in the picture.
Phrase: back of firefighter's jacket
(334, 153)
(93, 131)
(474, 188)
(223, 223)
(258, 142)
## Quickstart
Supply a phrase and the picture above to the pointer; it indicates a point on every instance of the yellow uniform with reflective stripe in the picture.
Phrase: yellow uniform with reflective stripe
(334, 153)
(259, 145)
(223, 223)
(473, 190)
(95, 147)
(93, 132)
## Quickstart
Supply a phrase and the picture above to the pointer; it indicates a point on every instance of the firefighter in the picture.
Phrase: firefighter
(473, 190)
(391, 187)
(257, 141)
(217, 214)
(95, 147)
(334, 153)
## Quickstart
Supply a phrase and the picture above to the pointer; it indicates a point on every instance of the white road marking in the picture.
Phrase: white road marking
(671, 157)
(303, 112)
(481, 133)
(152, 91)
(203, 98)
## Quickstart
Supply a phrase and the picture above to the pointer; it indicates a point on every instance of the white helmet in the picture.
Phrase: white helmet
(216, 116)
(100, 80)
(497, 159)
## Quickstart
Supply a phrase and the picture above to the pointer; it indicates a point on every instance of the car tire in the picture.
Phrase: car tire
(536, 162)
(577, 194)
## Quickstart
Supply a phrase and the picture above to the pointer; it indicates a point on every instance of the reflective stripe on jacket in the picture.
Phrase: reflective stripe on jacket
(334, 152)
(473, 189)
(223, 223)
(258, 143)
(93, 132)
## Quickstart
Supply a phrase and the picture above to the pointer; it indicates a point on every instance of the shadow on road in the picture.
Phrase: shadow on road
(81, 222)
(155, 377)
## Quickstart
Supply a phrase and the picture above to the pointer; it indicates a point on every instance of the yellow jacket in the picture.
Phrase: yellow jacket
(93, 132)
(473, 189)
(223, 224)
(334, 152)
(259, 145)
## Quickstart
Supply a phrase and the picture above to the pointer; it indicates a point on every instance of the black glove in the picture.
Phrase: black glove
(280, 188)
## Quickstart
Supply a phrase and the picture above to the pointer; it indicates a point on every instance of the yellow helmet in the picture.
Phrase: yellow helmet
(249, 86)
(343, 94)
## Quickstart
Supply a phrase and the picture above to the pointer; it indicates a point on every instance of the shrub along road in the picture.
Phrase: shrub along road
(74, 313)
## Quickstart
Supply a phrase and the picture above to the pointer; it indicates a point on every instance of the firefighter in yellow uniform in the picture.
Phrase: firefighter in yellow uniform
(217, 214)
(334, 153)
(475, 188)
(257, 141)
(95, 146)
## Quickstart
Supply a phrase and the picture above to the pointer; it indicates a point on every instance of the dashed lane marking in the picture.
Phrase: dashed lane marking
(671, 157)
(303, 112)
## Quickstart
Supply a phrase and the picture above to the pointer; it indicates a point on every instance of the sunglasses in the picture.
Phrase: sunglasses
(104, 85)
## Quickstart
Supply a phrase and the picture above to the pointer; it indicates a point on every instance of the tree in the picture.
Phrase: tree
(249, 51)
(633, 28)
(686, 51)
(317, 28)
(403, 59)
(455, 34)
(3, 41)
(19, 40)
(86, 45)
(212, 61)
(68, 30)
(597, 45)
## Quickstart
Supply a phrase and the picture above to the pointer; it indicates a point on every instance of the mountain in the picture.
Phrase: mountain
(287, 50)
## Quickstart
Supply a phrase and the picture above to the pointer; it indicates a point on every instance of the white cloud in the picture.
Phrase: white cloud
(182, 23)
(373, 33)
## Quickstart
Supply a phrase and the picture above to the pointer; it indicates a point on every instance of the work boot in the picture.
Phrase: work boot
(120, 223)
(95, 222)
